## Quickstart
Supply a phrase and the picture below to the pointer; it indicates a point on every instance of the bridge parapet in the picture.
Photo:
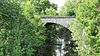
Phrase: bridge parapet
(57, 17)
(62, 20)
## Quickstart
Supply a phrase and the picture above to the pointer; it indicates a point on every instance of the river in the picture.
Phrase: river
(59, 51)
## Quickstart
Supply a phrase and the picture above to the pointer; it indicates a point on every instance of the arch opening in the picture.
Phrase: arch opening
(59, 41)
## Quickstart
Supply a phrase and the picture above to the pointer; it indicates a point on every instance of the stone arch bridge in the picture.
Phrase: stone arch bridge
(63, 42)
(61, 20)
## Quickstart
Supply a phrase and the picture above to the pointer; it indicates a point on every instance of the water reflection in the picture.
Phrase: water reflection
(60, 47)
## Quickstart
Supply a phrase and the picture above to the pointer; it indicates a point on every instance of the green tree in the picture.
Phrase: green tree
(50, 11)
(41, 5)
(21, 31)
(86, 28)
(69, 8)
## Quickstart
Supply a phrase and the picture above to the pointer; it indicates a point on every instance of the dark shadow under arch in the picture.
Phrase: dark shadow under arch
(52, 33)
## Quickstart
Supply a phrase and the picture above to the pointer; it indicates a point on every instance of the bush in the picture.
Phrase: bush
(21, 32)
(86, 28)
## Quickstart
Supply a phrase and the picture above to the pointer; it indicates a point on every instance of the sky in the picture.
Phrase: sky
(58, 2)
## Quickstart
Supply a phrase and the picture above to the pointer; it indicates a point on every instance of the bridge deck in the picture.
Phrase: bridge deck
(57, 16)
(62, 20)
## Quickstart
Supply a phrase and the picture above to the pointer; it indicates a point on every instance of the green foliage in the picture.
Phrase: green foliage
(51, 33)
(41, 5)
(86, 28)
(69, 8)
(50, 11)
(21, 32)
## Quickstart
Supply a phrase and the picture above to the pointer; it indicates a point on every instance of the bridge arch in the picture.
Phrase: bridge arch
(61, 20)
(63, 41)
